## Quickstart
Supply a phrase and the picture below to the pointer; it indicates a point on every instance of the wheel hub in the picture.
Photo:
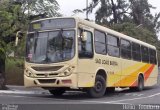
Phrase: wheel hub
(98, 86)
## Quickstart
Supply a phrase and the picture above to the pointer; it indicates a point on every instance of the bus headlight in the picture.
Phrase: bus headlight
(29, 74)
(67, 72)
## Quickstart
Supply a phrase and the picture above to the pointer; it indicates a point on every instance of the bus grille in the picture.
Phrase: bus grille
(51, 68)
(47, 75)
(47, 80)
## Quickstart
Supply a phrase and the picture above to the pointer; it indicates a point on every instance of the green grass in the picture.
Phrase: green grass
(14, 71)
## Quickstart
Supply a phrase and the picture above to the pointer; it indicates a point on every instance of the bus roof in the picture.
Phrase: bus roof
(103, 29)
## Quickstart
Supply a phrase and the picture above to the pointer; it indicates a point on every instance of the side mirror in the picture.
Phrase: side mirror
(84, 36)
(16, 42)
(19, 34)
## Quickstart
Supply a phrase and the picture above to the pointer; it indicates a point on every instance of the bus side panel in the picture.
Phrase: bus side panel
(86, 72)
(151, 77)
(88, 68)
(113, 72)
(132, 69)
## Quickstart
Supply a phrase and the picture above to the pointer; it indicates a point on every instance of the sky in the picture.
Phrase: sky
(67, 7)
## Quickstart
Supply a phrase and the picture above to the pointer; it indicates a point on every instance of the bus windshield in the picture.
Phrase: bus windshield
(50, 47)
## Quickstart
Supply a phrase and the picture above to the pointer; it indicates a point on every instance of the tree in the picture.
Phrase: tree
(110, 11)
(12, 20)
(140, 33)
(119, 11)
(2, 65)
(140, 9)
(140, 14)
(44, 8)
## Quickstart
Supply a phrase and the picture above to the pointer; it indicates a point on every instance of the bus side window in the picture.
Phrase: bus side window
(152, 56)
(125, 49)
(100, 42)
(136, 52)
(85, 48)
(113, 46)
(145, 54)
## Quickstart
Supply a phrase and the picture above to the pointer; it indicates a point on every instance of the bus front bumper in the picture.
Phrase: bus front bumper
(68, 81)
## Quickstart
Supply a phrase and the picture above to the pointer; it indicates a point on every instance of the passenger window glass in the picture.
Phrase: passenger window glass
(145, 54)
(136, 52)
(152, 56)
(113, 46)
(112, 40)
(125, 49)
(100, 44)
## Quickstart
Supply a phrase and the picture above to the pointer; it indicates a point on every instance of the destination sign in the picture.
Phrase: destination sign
(50, 24)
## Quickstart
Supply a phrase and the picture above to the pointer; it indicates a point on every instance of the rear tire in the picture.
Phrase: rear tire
(99, 88)
(140, 85)
(57, 91)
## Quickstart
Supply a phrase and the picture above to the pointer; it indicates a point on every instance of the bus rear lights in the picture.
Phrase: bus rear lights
(67, 81)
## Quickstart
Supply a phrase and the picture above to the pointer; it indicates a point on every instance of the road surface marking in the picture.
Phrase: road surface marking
(117, 101)
(21, 92)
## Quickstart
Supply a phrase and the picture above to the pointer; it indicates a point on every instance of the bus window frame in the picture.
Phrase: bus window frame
(134, 51)
(126, 49)
(118, 45)
(92, 42)
(151, 57)
(106, 52)
(144, 54)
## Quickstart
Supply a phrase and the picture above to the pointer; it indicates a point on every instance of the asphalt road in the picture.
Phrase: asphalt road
(20, 95)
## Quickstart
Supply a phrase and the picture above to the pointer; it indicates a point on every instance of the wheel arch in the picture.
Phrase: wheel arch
(102, 72)
(140, 74)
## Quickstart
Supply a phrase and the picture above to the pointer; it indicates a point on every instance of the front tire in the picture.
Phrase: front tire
(99, 88)
(57, 92)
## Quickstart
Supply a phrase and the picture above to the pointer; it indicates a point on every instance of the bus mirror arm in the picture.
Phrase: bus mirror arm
(17, 37)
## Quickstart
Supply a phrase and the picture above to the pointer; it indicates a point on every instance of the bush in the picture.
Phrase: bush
(14, 71)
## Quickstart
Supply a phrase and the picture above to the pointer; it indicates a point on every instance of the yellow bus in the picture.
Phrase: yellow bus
(69, 53)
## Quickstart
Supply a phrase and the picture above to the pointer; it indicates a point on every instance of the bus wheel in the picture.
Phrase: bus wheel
(140, 85)
(57, 91)
(99, 88)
